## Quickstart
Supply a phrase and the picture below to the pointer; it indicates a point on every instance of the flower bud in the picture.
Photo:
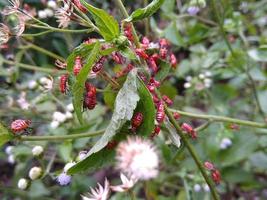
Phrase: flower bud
(37, 150)
(63, 179)
(82, 155)
(35, 173)
(216, 176)
(23, 183)
(197, 188)
(9, 150)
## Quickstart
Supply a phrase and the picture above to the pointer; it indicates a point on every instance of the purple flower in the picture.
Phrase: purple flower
(193, 10)
(63, 179)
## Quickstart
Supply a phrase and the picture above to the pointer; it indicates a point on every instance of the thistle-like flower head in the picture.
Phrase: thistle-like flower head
(100, 193)
(138, 158)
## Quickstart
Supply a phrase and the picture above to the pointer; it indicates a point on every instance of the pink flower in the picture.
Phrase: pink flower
(138, 158)
(126, 184)
(63, 14)
(4, 33)
(100, 193)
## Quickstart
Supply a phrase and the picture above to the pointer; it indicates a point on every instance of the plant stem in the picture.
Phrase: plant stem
(177, 127)
(36, 34)
(29, 67)
(193, 154)
(44, 51)
(54, 138)
(132, 195)
(146, 20)
(221, 119)
(126, 15)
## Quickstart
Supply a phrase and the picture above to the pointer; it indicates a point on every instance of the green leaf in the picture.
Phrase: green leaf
(93, 162)
(174, 137)
(65, 150)
(148, 11)
(108, 26)
(163, 71)
(147, 108)
(173, 35)
(78, 86)
(128, 53)
(259, 55)
(5, 135)
(125, 104)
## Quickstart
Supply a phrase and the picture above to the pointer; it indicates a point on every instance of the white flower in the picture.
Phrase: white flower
(82, 155)
(23, 103)
(47, 83)
(37, 150)
(187, 85)
(225, 143)
(59, 116)
(68, 166)
(206, 188)
(54, 124)
(188, 78)
(63, 179)
(42, 14)
(35, 173)
(32, 84)
(23, 183)
(63, 14)
(207, 82)
(49, 12)
(137, 158)
(9, 150)
(52, 4)
(197, 188)
(4, 33)
(100, 193)
(126, 184)
(201, 76)
(70, 107)
(208, 74)
(68, 115)
(11, 159)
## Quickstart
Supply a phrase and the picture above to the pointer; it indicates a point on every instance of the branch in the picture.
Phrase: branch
(54, 138)
(221, 119)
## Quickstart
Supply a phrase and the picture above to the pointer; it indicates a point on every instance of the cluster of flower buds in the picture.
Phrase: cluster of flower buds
(137, 121)
(190, 130)
(90, 97)
(215, 173)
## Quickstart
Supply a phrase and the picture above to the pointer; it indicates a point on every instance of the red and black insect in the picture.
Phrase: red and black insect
(154, 82)
(160, 115)
(77, 65)
(137, 121)
(63, 83)
(128, 32)
(176, 115)
(90, 97)
(163, 53)
(167, 100)
(145, 42)
(173, 61)
(164, 43)
(216, 176)
(152, 65)
(111, 145)
(189, 129)
(99, 65)
(79, 6)
(20, 125)
(118, 58)
(142, 54)
(156, 131)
